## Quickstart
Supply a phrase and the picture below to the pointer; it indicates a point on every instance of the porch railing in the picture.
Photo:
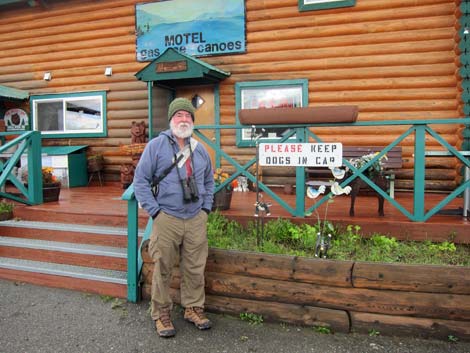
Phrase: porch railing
(29, 143)
(419, 129)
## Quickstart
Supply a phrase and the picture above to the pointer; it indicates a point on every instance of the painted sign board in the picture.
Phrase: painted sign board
(301, 154)
(212, 27)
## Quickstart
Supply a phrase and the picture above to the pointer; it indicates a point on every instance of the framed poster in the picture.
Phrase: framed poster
(308, 5)
(212, 27)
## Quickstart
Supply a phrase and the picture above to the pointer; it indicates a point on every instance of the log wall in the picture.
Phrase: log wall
(395, 299)
(395, 59)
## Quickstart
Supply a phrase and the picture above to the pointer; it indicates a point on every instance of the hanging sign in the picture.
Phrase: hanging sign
(301, 154)
(15, 119)
(212, 27)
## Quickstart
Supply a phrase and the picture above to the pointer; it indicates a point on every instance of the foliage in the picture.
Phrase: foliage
(253, 319)
(374, 169)
(282, 236)
(373, 332)
(6, 207)
(47, 176)
(220, 177)
(322, 329)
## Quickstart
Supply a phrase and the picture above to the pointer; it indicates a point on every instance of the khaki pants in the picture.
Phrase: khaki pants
(172, 239)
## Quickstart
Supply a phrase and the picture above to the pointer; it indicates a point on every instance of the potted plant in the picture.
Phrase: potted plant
(95, 163)
(223, 197)
(50, 185)
(6, 210)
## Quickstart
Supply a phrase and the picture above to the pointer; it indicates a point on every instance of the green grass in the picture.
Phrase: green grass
(281, 236)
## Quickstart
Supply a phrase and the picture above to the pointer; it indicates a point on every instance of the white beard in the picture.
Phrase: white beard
(182, 130)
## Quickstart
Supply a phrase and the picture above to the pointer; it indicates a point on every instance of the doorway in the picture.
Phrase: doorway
(205, 112)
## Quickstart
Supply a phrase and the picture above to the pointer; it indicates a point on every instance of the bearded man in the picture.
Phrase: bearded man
(174, 183)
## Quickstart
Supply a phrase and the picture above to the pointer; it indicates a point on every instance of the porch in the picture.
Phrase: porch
(103, 205)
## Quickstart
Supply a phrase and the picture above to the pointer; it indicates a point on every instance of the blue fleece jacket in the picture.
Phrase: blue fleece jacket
(159, 155)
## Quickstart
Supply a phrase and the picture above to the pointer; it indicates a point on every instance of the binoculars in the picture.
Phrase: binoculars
(190, 191)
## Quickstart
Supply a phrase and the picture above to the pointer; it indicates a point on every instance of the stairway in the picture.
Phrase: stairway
(81, 257)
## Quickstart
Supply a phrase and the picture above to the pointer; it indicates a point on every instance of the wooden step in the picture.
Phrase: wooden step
(65, 232)
(80, 278)
(74, 256)
(106, 257)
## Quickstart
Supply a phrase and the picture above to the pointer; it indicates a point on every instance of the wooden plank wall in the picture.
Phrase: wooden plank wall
(395, 59)
(395, 299)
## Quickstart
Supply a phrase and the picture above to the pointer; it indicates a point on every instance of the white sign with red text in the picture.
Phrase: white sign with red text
(301, 154)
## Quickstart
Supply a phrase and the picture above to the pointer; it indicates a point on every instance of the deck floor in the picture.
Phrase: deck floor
(102, 205)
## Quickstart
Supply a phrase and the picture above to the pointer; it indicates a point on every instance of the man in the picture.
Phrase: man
(179, 207)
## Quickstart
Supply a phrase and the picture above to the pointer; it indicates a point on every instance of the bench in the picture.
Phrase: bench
(394, 160)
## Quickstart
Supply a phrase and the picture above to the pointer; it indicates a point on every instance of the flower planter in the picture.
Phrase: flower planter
(4, 216)
(50, 192)
(222, 200)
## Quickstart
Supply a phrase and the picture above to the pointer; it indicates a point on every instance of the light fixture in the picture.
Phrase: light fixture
(47, 76)
(197, 101)
(108, 71)
(466, 30)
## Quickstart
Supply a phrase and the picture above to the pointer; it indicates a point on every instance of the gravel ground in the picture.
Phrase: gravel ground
(37, 319)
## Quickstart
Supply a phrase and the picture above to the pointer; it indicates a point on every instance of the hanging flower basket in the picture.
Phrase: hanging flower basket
(222, 200)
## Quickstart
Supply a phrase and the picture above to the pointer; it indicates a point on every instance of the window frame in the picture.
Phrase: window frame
(64, 98)
(240, 86)
(310, 5)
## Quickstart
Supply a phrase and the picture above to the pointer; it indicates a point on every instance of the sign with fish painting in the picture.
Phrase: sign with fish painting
(212, 27)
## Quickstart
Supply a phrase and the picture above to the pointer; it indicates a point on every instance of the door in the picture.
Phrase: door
(205, 113)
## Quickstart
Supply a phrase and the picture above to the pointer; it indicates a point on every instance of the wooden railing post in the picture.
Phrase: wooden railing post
(132, 242)
(419, 173)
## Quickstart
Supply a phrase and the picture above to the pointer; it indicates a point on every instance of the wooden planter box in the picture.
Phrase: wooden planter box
(346, 296)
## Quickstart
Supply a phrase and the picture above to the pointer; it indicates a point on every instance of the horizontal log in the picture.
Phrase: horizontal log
(364, 5)
(416, 278)
(360, 39)
(287, 268)
(59, 9)
(339, 63)
(317, 53)
(336, 320)
(409, 326)
(431, 305)
(384, 25)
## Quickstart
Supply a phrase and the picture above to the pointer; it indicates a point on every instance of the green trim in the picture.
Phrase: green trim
(239, 86)
(465, 69)
(191, 71)
(63, 134)
(13, 93)
(327, 4)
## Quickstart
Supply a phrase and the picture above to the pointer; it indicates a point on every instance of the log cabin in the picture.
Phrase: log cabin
(393, 59)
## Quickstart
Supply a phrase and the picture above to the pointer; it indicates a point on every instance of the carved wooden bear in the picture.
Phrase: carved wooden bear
(138, 132)
(127, 175)
(357, 184)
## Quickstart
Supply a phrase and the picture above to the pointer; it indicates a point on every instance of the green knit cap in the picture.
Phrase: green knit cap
(180, 104)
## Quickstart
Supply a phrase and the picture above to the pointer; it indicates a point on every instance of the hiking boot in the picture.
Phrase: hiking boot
(164, 326)
(196, 315)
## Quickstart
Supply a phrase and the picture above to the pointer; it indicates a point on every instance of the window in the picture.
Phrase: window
(308, 5)
(70, 115)
(268, 94)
